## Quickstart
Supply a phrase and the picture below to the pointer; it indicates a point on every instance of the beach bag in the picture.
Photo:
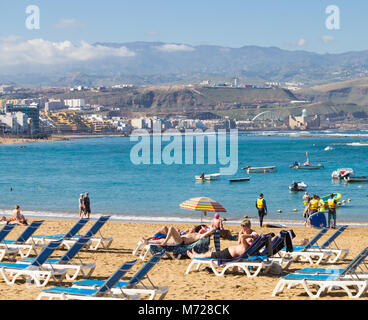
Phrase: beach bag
(274, 269)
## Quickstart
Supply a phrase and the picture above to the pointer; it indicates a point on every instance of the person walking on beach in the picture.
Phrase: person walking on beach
(87, 206)
(262, 208)
(81, 205)
(331, 210)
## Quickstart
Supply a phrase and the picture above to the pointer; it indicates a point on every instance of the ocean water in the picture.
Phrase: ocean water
(47, 178)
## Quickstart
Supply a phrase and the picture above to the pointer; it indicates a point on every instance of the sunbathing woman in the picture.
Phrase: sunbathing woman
(174, 237)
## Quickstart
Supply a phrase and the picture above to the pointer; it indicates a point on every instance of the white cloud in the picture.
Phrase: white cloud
(43, 52)
(175, 48)
(327, 39)
(302, 42)
(67, 23)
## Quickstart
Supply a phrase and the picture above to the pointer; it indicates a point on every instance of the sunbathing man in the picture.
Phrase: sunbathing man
(174, 237)
(246, 237)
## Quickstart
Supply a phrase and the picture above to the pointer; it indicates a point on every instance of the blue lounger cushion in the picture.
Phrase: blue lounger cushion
(294, 276)
(319, 270)
(71, 290)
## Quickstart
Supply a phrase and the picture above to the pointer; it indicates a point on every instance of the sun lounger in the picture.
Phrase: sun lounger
(103, 292)
(132, 287)
(34, 272)
(250, 261)
(329, 279)
(95, 241)
(11, 253)
(65, 262)
(176, 251)
(21, 244)
(338, 254)
(136, 284)
(43, 239)
(306, 253)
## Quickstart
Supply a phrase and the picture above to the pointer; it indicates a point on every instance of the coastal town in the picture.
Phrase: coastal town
(75, 110)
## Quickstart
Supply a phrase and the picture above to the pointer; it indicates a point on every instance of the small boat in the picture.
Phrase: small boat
(298, 186)
(306, 165)
(356, 179)
(299, 166)
(342, 173)
(259, 169)
(208, 177)
(239, 179)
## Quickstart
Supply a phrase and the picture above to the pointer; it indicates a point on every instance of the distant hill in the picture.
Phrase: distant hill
(345, 92)
(153, 63)
(182, 98)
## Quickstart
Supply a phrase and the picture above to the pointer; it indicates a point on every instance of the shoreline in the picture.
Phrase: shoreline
(134, 218)
(257, 133)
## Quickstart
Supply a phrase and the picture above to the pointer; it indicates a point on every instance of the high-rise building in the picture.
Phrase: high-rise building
(31, 111)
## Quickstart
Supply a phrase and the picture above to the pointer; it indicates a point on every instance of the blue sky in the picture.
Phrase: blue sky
(292, 25)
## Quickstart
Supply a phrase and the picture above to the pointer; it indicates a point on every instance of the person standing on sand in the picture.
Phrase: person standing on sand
(262, 208)
(81, 206)
(331, 210)
(87, 206)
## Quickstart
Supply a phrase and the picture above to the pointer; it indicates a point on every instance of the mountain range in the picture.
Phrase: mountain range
(153, 63)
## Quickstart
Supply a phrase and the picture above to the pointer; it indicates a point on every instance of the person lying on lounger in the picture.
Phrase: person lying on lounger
(174, 237)
(246, 237)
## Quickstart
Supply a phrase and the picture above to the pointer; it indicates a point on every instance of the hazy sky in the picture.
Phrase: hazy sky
(288, 24)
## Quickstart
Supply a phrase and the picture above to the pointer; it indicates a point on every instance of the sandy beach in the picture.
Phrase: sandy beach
(171, 273)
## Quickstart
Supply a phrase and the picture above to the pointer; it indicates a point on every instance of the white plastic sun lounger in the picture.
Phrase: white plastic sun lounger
(34, 272)
(103, 292)
(135, 285)
(66, 261)
(318, 281)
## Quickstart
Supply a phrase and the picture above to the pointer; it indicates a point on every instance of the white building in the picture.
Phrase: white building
(54, 104)
(138, 123)
(16, 122)
(6, 88)
(75, 104)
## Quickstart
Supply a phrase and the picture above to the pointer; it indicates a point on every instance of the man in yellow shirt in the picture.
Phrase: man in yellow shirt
(262, 208)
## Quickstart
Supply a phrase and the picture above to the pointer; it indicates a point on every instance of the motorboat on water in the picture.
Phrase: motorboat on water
(298, 186)
(208, 177)
(356, 179)
(342, 173)
(259, 169)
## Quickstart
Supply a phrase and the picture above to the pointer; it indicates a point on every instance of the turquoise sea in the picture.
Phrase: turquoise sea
(47, 178)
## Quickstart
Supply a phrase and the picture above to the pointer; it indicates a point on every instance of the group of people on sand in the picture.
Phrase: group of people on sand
(171, 235)
(315, 204)
(174, 236)
(16, 218)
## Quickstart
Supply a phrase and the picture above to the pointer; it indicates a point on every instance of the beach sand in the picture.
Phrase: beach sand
(194, 286)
